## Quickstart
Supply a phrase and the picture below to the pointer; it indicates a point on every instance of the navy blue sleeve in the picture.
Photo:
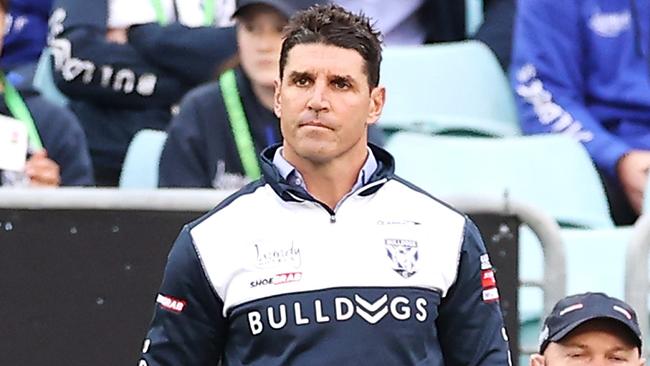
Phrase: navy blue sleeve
(188, 327)
(470, 324)
(64, 141)
(88, 67)
(547, 74)
(184, 161)
(194, 54)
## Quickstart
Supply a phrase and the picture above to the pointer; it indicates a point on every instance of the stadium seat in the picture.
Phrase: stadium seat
(44, 82)
(473, 16)
(447, 88)
(551, 172)
(140, 169)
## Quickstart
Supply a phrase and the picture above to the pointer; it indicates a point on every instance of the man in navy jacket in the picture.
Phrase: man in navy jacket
(329, 258)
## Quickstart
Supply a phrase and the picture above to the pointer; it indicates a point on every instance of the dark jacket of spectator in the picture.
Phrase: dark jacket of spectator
(117, 89)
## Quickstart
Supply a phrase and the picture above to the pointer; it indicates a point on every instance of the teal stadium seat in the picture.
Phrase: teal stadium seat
(44, 82)
(552, 172)
(473, 16)
(447, 88)
(140, 168)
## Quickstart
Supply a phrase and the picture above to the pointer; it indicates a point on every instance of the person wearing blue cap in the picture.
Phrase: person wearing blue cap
(590, 329)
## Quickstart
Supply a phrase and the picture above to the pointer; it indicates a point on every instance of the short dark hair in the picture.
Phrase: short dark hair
(4, 5)
(333, 25)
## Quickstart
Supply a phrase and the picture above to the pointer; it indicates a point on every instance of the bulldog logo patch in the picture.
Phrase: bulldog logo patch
(404, 255)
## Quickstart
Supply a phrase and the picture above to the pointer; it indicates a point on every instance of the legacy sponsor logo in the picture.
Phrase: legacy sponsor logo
(170, 303)
(339, 309)
(272, 256)
(278, 279)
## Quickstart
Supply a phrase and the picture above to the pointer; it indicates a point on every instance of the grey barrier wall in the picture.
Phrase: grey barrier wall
(79, 268)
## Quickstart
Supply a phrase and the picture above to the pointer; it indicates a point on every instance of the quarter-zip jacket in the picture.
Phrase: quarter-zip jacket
(269, 278)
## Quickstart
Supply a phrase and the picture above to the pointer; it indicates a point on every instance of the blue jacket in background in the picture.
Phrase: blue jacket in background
(581, 68)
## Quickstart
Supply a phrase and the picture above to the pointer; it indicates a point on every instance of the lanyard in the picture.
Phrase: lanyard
(208, 12)
(19, 110)
(239, 125)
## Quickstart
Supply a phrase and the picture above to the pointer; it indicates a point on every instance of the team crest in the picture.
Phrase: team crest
(404, 255)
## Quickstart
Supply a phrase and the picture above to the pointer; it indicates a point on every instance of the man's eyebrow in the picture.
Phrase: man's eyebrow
(293, 75)
(347, 78)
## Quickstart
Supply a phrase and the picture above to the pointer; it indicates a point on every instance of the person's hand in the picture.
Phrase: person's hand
(42, 171)
(633, 174)
(117, 35)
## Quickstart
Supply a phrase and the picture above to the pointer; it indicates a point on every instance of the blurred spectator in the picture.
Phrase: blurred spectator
(581, 68)
(207, 146)
(56, 148)
(429, 21)
(125, 63)
(26, 33)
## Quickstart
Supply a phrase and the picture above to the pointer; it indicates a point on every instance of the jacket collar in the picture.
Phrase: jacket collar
(270, 174)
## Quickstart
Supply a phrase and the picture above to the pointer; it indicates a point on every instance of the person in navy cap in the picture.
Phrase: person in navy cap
(590, 329)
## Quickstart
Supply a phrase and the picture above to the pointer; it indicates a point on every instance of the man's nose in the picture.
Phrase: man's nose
(318, 99)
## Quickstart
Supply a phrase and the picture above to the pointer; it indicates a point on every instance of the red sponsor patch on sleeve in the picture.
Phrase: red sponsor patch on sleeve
(487, 279)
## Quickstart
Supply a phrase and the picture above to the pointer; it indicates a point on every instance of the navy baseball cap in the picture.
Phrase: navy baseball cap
(573, 311)
(286, 7)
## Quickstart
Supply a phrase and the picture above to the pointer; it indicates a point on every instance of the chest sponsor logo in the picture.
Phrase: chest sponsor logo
(339, 309)
(171, 304)
(278, 279)
(270, 256)
(404, 255)
(610, 25)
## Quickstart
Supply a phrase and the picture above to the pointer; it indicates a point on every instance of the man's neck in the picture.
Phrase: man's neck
(264, 94)
(330, 182)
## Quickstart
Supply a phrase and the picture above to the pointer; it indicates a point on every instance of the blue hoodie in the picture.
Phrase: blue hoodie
(580, 67)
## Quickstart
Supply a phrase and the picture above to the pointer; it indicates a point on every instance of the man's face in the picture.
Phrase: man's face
(597, 342)
(325, 104)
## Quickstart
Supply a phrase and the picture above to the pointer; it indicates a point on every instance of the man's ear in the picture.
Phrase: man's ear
(377, 100)
(642, 361)
(277, 107)
(537, 360)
